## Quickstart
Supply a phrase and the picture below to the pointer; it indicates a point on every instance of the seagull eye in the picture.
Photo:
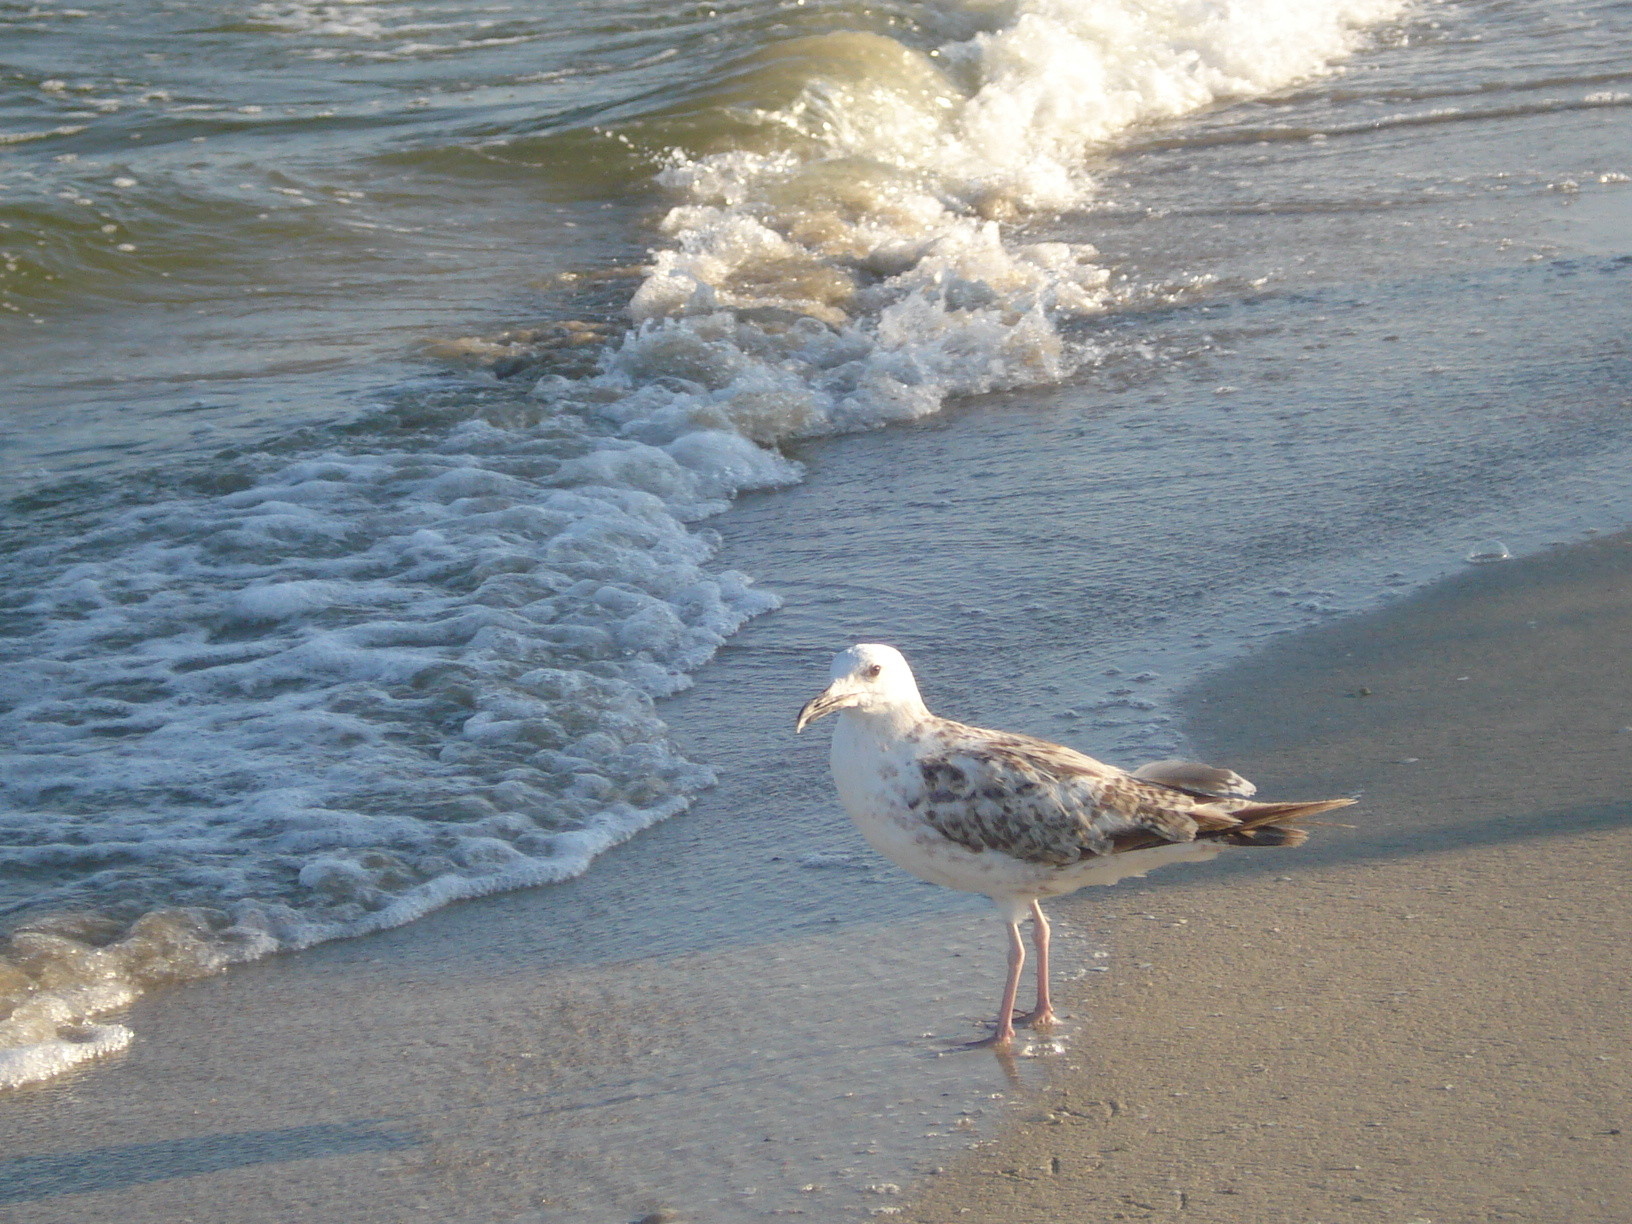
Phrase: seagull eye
(872, 672)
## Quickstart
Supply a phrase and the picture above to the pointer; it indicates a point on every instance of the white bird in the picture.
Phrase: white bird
(1019, 818)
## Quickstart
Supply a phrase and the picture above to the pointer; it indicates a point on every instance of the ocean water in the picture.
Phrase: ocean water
(373, 373)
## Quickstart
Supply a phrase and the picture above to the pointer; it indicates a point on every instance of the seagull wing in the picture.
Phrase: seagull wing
(1194, 778)
(1044, 803)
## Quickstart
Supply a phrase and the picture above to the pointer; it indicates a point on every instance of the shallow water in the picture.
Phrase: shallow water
(1328, 338)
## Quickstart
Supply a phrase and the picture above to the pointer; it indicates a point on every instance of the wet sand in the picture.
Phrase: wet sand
(1424, 1017)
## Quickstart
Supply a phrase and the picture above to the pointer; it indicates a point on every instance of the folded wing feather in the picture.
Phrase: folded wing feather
(1045, 803)
(1195, 778)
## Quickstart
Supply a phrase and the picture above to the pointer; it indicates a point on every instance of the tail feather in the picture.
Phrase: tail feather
(1237, 824)
(1271, 824)
(1269, 835)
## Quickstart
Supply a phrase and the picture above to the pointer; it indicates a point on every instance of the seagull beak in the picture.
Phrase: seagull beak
(834, 698)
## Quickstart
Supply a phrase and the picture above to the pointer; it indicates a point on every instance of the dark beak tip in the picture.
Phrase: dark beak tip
(813, 709)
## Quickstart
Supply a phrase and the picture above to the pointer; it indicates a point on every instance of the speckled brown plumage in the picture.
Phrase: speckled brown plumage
(1044, 803)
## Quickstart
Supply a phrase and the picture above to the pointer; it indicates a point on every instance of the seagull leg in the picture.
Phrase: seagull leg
(1004, 1036)
(1041, 1016)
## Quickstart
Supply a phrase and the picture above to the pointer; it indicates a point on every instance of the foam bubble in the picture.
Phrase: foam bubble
(1488, 551)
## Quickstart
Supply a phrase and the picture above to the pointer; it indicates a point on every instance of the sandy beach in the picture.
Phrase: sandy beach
(1422, 1017)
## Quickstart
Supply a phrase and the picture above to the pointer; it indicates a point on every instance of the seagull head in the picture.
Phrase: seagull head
(870, 678)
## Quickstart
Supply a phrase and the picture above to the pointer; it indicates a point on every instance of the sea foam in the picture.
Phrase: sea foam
(853, 263)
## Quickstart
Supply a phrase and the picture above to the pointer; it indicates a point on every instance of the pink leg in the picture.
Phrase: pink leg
(1043, 1014)
(1004, 1035)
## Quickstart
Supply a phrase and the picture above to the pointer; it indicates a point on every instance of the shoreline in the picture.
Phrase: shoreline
(524, 1056)
(1423, 1016)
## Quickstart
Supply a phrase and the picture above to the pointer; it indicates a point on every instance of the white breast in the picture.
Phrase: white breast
(876, 777)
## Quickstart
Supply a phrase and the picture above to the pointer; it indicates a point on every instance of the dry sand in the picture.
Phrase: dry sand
(1427, 1017)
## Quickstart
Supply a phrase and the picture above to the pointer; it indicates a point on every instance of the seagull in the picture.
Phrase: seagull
(1018, 818)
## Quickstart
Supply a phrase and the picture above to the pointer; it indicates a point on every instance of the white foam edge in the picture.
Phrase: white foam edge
(573, 852)
(45, 1060)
